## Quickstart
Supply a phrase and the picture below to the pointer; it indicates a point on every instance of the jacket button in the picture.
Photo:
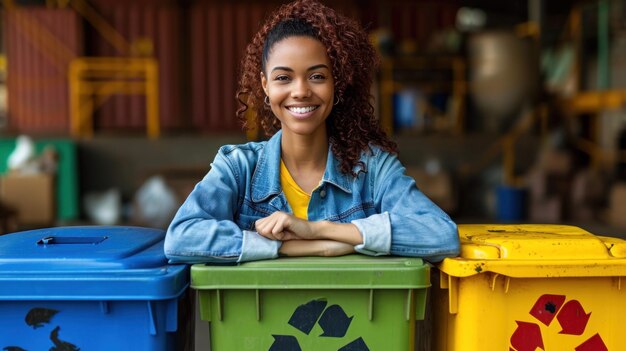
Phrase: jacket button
(322, 193)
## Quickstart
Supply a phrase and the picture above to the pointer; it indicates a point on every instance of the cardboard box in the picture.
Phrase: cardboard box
(8, 219)
(31, 195)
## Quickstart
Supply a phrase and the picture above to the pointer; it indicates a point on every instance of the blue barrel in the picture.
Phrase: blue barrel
(512, 204)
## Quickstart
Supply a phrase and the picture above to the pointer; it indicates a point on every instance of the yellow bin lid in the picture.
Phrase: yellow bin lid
(530, 250)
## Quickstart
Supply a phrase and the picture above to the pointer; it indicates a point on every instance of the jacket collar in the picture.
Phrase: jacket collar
(333, 175)
(266, 177)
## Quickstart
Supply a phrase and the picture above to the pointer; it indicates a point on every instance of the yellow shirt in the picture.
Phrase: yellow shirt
(298, 199)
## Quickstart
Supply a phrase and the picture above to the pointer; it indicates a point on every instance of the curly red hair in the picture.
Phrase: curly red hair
(351, 125)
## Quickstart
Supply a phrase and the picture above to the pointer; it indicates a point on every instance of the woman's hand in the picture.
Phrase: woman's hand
(284, 226)
(300, 237)
(287, 227)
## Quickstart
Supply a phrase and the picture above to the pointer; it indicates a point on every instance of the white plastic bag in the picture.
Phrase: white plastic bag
(104, 208)
(155, 203)
(22, 158)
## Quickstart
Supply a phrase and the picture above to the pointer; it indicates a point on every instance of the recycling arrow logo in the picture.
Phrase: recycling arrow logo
(39, 317)
(332, 319)
(570, 315)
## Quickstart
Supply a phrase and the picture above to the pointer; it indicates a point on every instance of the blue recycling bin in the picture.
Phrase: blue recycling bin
(91, 288)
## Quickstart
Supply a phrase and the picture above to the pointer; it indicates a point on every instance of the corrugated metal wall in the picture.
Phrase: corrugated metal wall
(199, 48)
(159, 21)
(219, 33)
(198, 44)
(413, 20)
(40, 43)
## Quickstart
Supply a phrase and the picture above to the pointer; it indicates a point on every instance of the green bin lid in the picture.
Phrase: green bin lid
(345, 272)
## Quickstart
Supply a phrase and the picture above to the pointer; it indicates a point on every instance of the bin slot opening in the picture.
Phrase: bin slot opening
(67, 240)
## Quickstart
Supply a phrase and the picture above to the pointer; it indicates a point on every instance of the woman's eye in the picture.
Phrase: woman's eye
(281, 78)
(318, 76)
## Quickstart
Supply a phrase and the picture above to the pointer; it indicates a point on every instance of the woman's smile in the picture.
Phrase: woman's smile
(302, 112)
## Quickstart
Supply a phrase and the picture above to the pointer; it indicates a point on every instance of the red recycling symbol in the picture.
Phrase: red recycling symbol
(571, 316)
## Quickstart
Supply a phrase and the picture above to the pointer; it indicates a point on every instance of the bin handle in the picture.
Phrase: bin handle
(64, 240)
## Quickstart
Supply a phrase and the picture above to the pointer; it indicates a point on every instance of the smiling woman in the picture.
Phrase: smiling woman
(328, 182)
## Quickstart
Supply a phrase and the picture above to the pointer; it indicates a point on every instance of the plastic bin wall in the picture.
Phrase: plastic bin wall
(344, 303)
(529, 287)
(91, 288)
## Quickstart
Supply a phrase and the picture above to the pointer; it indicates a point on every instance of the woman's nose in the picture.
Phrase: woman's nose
(301, 90)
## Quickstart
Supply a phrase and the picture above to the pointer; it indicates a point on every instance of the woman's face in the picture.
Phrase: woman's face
(299, 83)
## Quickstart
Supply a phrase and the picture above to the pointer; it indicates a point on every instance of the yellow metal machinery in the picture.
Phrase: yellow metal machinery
(93, 79)
(592, 102)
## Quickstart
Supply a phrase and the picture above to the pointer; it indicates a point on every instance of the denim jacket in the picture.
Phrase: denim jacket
(216, 222)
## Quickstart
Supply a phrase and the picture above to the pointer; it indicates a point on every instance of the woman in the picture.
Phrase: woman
(328, 181)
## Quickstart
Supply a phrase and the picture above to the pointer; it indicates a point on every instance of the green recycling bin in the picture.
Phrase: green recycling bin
(344, 303)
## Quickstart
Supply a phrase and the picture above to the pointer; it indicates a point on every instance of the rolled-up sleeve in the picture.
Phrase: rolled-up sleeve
(257, 247)
(376, 232)
(418, 226)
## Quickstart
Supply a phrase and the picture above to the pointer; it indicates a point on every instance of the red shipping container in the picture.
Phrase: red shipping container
(219, 33)
(40, 45)
(160, 22)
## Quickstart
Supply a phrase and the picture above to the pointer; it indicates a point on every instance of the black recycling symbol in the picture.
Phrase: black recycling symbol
(284, 343)
(306, 315)
(37, 317)
(332, 319)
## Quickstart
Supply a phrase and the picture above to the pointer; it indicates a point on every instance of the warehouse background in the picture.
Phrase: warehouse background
(504, 112)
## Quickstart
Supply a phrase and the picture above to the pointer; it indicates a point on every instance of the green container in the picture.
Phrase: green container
(67, 207)
(353, 302)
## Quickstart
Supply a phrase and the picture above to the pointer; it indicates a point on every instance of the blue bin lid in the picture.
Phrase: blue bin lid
(87, 263)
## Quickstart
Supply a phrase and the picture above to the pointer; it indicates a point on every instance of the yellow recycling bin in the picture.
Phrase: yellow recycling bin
(531, 287)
